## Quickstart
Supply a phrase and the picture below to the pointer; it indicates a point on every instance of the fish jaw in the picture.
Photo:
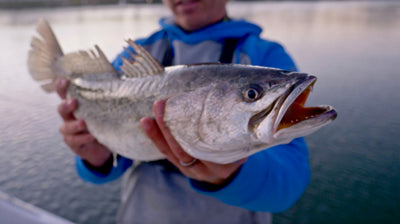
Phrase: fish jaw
(309, 125)
(262, 123)
(293, 119)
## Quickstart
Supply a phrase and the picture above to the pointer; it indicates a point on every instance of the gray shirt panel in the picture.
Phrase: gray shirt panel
(156, 194)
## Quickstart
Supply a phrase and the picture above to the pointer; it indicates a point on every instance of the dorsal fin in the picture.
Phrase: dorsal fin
(142, 63)
(86, 62)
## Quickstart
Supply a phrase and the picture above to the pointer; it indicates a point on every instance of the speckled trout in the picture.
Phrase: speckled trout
(217, 112)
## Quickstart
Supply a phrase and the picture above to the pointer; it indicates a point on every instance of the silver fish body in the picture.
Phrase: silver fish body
(216, 112)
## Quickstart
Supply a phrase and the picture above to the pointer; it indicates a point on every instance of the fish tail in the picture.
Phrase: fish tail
(43, 55)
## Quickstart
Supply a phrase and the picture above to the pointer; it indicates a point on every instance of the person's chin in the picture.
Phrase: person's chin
(187, 7)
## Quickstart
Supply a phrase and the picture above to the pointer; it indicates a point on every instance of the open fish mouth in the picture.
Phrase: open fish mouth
(293, 112)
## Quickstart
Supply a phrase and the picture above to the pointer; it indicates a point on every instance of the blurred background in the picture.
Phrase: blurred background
(353, 47)
(57, 3)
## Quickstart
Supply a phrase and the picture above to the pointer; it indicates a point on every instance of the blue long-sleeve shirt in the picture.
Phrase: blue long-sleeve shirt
(271, 180)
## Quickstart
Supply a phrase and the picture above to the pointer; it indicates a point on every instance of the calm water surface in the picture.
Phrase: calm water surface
(353, 48)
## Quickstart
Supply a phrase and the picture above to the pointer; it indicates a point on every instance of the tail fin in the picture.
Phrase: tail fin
(42, 56)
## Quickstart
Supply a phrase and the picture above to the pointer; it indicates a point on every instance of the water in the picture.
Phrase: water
(353, 48)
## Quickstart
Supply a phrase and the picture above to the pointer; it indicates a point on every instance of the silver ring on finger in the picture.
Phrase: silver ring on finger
(191, 163)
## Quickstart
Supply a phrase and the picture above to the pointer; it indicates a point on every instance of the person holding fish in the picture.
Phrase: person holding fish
(181, 188)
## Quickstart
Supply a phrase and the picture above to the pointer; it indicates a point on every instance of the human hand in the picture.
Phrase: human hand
(75, 133)
(200, 170)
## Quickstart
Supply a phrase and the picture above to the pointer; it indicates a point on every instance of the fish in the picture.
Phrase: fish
(217, 112)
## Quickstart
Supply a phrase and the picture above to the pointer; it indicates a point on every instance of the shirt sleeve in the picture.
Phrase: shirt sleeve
(271, 180)
(92, 176)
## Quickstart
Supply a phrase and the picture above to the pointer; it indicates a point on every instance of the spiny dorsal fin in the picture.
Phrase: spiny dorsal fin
(142, 63)
(85, 62)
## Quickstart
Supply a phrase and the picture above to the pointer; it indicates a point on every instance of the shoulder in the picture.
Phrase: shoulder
(267, 53)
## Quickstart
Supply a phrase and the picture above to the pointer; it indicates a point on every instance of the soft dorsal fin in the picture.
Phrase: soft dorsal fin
(86, 62)
(142, 63)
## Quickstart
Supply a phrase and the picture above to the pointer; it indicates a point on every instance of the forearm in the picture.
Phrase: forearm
(272, 180)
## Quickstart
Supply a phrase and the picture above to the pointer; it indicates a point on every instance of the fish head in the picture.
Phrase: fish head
(249, 110)
(288, 117)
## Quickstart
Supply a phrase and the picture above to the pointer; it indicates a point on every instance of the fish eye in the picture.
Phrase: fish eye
(253, 93)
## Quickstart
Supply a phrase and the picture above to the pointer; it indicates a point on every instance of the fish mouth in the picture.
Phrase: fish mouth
(292, 111)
